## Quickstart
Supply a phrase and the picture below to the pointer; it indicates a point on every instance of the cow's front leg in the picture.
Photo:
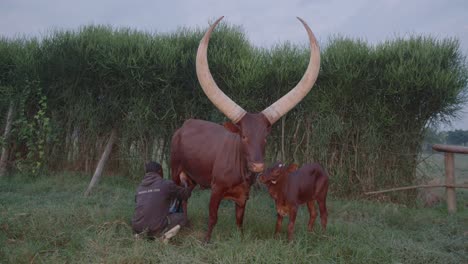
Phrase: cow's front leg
(292, 221)
(240, 195)
(240, 209)
(279, 222)
(215, 200)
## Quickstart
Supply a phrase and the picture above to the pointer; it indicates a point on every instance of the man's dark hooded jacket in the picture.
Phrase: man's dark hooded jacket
(153, 199)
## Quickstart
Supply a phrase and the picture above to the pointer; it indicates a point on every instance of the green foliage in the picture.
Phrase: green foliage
(47, 220)
(35, 133)
(364, 120)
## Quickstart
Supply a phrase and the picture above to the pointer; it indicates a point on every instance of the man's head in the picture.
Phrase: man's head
(153, 167)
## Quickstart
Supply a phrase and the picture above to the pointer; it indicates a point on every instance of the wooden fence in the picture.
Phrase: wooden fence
(450, 184)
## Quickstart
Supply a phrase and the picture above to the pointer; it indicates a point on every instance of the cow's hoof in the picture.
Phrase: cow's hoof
(207, 241)
(189, 224)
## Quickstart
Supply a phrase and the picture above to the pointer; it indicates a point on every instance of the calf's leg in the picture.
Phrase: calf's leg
(279, 222)
(312, 215)
(292, 221)
(323, 212)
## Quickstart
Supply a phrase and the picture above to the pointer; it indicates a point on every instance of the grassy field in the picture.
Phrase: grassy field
(47, 220)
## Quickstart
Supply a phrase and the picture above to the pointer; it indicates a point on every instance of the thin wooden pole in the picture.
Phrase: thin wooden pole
(6, 135)
(450, 180)
(419, 186)
(102, 162)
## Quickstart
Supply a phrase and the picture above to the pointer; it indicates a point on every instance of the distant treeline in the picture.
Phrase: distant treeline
(364, 120)
(452, 137)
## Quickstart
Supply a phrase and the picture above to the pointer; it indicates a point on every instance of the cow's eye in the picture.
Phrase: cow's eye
(244, 137)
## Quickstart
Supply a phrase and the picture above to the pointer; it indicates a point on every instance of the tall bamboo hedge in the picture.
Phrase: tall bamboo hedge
(364, 120)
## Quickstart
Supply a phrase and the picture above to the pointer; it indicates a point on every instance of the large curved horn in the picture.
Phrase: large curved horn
(293, 97)
(216, 96)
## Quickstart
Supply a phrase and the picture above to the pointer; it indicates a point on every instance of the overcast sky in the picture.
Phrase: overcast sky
(266, 22)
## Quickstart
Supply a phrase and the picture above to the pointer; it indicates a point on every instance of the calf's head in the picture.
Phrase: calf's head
(253, 128)
(276, 172)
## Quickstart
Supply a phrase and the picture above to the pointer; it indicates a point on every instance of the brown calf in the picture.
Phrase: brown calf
(291, 187)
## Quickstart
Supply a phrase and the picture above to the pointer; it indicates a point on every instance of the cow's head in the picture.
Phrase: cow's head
(253, 129)
(276, 172)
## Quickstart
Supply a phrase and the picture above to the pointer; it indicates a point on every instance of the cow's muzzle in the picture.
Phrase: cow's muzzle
(256, 167)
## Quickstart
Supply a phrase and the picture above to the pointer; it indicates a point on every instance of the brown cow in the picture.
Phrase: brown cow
(226, 159)
(291, 187)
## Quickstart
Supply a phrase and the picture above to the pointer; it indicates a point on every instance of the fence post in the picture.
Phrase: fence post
(449, 151)
(450, 180)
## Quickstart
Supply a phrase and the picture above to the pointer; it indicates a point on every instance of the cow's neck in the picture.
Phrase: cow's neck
(237, 156)
(242, 162)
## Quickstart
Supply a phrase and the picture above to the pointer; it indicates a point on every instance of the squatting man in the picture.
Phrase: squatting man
(156, 212)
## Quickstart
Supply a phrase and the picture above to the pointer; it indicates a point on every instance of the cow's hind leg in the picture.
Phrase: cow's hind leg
(186, 182)
(215, 200)
(312, 214)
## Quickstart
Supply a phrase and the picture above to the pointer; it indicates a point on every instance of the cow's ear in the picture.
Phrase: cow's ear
(231, 127)
(292, 167)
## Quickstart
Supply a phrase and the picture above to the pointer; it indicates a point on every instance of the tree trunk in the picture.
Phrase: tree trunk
(6, 135)
(102, 162)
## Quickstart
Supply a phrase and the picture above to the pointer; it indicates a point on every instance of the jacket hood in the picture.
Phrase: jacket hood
(150, 178)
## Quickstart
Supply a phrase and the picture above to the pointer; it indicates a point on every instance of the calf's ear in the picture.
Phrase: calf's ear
(292, 167)
(231, 127)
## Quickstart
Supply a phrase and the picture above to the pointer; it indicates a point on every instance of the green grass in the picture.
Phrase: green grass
(47, 220)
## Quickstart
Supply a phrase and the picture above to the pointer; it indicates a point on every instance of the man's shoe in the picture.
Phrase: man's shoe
(172, 232)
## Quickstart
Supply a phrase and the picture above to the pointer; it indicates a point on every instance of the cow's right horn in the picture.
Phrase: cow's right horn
(212, 91)
(293, 97)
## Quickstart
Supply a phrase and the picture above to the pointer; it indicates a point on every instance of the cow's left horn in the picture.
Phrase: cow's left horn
(212, 91)
(293, 97)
